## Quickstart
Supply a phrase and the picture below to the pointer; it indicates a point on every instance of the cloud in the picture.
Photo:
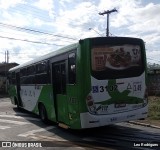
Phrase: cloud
(46, 5)
(77, 20)
(151, 56)
(147, 19)
(6, 4)
(16, 19)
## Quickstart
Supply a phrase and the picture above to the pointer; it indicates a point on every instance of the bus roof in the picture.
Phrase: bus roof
(47, 56)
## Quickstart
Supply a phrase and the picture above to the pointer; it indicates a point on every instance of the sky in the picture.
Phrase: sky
(32, 28)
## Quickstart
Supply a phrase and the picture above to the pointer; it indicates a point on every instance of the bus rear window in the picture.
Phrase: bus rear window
(116, 61)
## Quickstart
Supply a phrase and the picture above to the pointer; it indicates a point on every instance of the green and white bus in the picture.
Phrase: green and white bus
(95, 82)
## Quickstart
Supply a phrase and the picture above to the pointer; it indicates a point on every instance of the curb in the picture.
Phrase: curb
(144, 124)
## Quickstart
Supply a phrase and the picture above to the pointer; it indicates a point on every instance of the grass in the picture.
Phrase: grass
(153, 112)
(154, 108)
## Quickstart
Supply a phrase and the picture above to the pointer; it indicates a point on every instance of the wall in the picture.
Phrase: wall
(154, 83)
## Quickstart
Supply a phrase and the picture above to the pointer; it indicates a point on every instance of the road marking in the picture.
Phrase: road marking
(14, 122)
(13, 113)
(32, 132)
(47, 138)
(19, 117)
(4, 127)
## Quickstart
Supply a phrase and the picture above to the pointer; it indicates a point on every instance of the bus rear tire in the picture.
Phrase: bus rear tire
(43, 113)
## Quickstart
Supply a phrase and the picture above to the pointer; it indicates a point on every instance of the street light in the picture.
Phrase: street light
(95, 31)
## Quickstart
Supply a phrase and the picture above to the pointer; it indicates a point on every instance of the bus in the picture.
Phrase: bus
(95, 82)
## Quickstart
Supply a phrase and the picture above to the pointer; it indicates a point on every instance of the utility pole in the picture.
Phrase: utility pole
(6, 69)
(108, 12)
(7, 56)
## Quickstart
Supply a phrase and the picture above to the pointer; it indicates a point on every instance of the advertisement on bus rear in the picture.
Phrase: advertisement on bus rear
(117, 94)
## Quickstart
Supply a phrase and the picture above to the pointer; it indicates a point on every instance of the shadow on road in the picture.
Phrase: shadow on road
(114, 136)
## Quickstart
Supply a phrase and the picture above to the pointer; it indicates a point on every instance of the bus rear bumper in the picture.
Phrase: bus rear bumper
(90, 121)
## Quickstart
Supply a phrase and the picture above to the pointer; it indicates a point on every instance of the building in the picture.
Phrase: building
(4, 67)
(154, 81)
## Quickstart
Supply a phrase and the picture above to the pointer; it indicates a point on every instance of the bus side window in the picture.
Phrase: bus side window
(31, 70)
(30, 78)
(42, 75)
(72, 68)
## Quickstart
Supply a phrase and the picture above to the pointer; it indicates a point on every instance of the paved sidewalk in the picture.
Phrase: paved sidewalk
(146, 123)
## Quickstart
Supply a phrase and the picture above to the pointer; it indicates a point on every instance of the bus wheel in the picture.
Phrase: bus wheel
(43, 113)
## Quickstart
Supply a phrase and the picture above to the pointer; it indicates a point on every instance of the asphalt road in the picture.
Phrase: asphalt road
(23, 129)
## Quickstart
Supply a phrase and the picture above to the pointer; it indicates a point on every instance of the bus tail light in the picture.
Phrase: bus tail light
(90, 104)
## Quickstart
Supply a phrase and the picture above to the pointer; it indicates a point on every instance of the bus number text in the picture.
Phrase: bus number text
(137, 86)
(108, 88)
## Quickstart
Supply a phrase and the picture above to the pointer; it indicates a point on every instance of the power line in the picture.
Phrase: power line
(3, 32)
(24, 40)
(13, 53)
(35, 31)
